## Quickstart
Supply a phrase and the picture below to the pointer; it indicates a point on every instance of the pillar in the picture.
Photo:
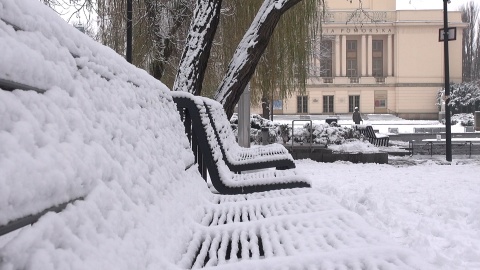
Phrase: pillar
(337, 56)
(364, 56)
(344, 56)
(369, 56)
(390, 56)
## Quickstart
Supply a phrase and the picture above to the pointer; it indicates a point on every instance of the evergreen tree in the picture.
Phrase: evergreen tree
(464, 97)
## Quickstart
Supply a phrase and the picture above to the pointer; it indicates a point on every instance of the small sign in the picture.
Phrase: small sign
(277, 104)
(452, 34)
(439, 137)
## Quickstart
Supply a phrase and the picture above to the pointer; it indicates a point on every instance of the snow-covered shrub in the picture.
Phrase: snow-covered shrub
(282, 133)
(465, 119)
(329, 134)
(256, 124)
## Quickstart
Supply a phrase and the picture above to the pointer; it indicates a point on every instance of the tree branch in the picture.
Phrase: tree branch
(193, 63)
(249, 51)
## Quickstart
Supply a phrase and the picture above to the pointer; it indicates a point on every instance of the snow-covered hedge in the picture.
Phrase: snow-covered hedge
(326, 134)
(282, 133)
(465, 119)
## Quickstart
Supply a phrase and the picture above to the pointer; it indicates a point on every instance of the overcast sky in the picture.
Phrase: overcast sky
(430, 4)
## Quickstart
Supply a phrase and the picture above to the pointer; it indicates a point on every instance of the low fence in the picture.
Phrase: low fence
(465, 148)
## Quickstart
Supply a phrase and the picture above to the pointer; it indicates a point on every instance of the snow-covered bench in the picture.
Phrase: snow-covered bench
(88, 125)
(223, 179)
(240, 158)
(374, 138)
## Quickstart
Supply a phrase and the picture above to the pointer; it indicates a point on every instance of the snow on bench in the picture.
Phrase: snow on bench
(374, 138)
(240, 158)
(109, 133)
(223, 179)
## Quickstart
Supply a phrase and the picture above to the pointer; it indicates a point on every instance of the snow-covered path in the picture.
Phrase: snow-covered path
(432, 208)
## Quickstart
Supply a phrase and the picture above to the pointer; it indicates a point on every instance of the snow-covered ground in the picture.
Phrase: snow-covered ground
(428, 205)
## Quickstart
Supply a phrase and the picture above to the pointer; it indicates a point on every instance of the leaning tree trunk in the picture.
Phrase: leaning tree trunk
(193, 63)
(248, 53)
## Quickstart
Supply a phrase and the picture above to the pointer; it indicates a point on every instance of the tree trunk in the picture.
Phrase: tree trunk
(193, 63)
(249, 51)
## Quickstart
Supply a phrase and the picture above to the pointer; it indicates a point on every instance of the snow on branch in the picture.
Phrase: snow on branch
(250, 49)
(195, 56)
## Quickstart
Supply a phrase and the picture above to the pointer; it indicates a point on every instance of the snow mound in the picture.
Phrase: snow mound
(355, 147)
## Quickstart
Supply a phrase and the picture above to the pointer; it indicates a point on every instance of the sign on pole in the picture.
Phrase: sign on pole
(452, 34)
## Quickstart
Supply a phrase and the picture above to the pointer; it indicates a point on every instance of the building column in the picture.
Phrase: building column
(369, 56)
(337, 56)
(390, 56)
(364, 56)
(344, 56)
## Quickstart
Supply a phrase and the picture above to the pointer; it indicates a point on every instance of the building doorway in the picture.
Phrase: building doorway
(328, 104)
(353, 101)
(302, 104)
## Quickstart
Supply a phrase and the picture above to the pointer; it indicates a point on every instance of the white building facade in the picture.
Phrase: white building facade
(378, 59)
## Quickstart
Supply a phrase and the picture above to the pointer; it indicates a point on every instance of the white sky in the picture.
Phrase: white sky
(430, 4)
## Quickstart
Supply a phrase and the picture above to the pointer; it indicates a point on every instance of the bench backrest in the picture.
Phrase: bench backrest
(97, 128)
(223, 179)
(236, 155)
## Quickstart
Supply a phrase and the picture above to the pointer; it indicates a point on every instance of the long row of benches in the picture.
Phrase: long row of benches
(102, 143)
(225, 162)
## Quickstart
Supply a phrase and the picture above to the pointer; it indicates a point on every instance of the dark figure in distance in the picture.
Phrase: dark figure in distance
(356, 116)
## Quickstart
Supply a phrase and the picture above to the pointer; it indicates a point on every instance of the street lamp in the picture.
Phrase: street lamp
(129, 31)
(448, 125)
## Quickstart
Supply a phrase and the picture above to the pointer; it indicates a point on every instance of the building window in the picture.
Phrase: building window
(302, 104)
(351, 46)
(377, 45)
(328, 104)
(326, 57)
(377, 58)
(351, 67)
(377, 67)
(353, 101)
(352, 63)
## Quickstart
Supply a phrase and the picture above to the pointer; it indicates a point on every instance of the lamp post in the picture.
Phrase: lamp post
(129, 31)
(448, 126)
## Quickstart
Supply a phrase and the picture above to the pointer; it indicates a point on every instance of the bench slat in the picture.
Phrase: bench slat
(24, 221)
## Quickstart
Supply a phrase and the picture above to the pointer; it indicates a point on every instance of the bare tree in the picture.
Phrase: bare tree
(168, 21)
(80, 12)
(249, 51)
(159, 29)
(471, 42)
